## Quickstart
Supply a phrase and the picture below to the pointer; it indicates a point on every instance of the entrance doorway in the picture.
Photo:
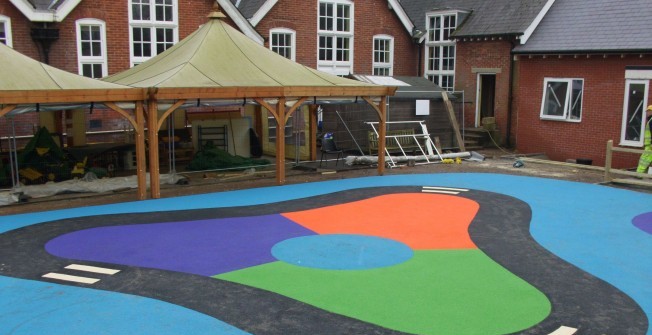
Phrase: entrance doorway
(486, 97)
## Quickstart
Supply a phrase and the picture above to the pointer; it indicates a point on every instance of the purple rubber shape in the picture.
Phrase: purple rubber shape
(643, 222)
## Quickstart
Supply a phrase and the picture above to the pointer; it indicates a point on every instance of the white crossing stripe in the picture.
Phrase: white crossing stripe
(445, 188)
(437, 191)
(77, 279)
(93, 269)
(563, 330)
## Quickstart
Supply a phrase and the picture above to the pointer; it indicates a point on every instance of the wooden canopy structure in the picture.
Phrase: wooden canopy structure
(29, 85)
(217, 62)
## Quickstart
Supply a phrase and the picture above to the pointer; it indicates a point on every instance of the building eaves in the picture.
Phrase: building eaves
(249, 8)
(45, 10)
(481, 18)
(598, 26)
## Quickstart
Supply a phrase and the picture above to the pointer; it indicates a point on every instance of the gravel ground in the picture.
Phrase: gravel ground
(496, 161)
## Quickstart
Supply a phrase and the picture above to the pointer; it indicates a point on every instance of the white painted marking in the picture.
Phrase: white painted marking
(563, 330)
(437, 191)
(446, 188)
(77, 279)
(93, 269)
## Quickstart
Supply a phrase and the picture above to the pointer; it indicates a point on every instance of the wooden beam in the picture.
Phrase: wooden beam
(122, 112)
(141, 162)
(152, 123)
(71, 96)
(280, 142)
(272, 92)
(168, 112)
(7, 109)
(453, 119)
(373, 105)
(312, 138)
(269, 107)
(294, 108)
(382, 133)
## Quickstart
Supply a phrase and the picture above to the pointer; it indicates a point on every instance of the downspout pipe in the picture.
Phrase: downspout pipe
(510, 97)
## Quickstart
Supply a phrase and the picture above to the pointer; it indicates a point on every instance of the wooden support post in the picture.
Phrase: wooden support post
(152, 123)
(141, 168)
(607, 163)
(312, 123)
(453, 119)
(280, 142)
(382, 132)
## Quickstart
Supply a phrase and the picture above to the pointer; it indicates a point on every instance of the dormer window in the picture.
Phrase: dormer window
(153, 28)
(335, 36)
(440, 49)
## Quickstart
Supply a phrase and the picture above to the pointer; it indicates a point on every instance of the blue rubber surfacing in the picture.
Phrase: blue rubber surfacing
(587, 225)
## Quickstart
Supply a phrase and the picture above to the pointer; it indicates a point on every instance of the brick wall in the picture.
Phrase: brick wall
(490, 54)
(371, 17)
(602, 110)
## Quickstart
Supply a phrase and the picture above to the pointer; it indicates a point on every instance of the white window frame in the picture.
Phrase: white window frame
(152, 24)
(389, 64)
(333, 66)
(102, 59)
(566, 115)
(6, 21)
(293, 40)
(623, 140)
(436, 45)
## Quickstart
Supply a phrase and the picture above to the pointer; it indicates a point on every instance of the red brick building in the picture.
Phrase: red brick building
(582, 83)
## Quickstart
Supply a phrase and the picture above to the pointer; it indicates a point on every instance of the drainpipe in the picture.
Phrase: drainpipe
(510, 98)
(44, 36)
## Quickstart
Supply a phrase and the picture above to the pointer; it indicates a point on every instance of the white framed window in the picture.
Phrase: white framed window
(153, 28)
(562, 99)
(283, 42)
(91, 48)
(440, 49)
(5, 30)
(335, 36)
(636, 102)
(383, 55)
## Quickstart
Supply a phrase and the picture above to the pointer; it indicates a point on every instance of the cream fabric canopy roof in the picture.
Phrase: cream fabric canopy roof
(25, 82)
(217, 55)
(22, 73)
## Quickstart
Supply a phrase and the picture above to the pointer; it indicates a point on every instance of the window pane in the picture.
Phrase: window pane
(325, 16)
(96, 49)
(325, 48)
(140, 9)
(97, 70)
(95, 33)
(635, 111)
(448, 59)
(343, 18)
(87, 70)
(342, 49)
(555, 98)
(437, 29)
(3, 33)
(576, 100)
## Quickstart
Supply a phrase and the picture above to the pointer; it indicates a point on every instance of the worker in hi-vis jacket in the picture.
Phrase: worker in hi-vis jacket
(646, 158)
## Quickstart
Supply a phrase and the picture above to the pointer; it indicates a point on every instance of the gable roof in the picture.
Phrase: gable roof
(255, 10)
(248, 8)
(45, 10)
(593, 26)
(483, 18)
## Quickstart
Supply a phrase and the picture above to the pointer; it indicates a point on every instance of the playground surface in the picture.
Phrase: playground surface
(458, 253)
